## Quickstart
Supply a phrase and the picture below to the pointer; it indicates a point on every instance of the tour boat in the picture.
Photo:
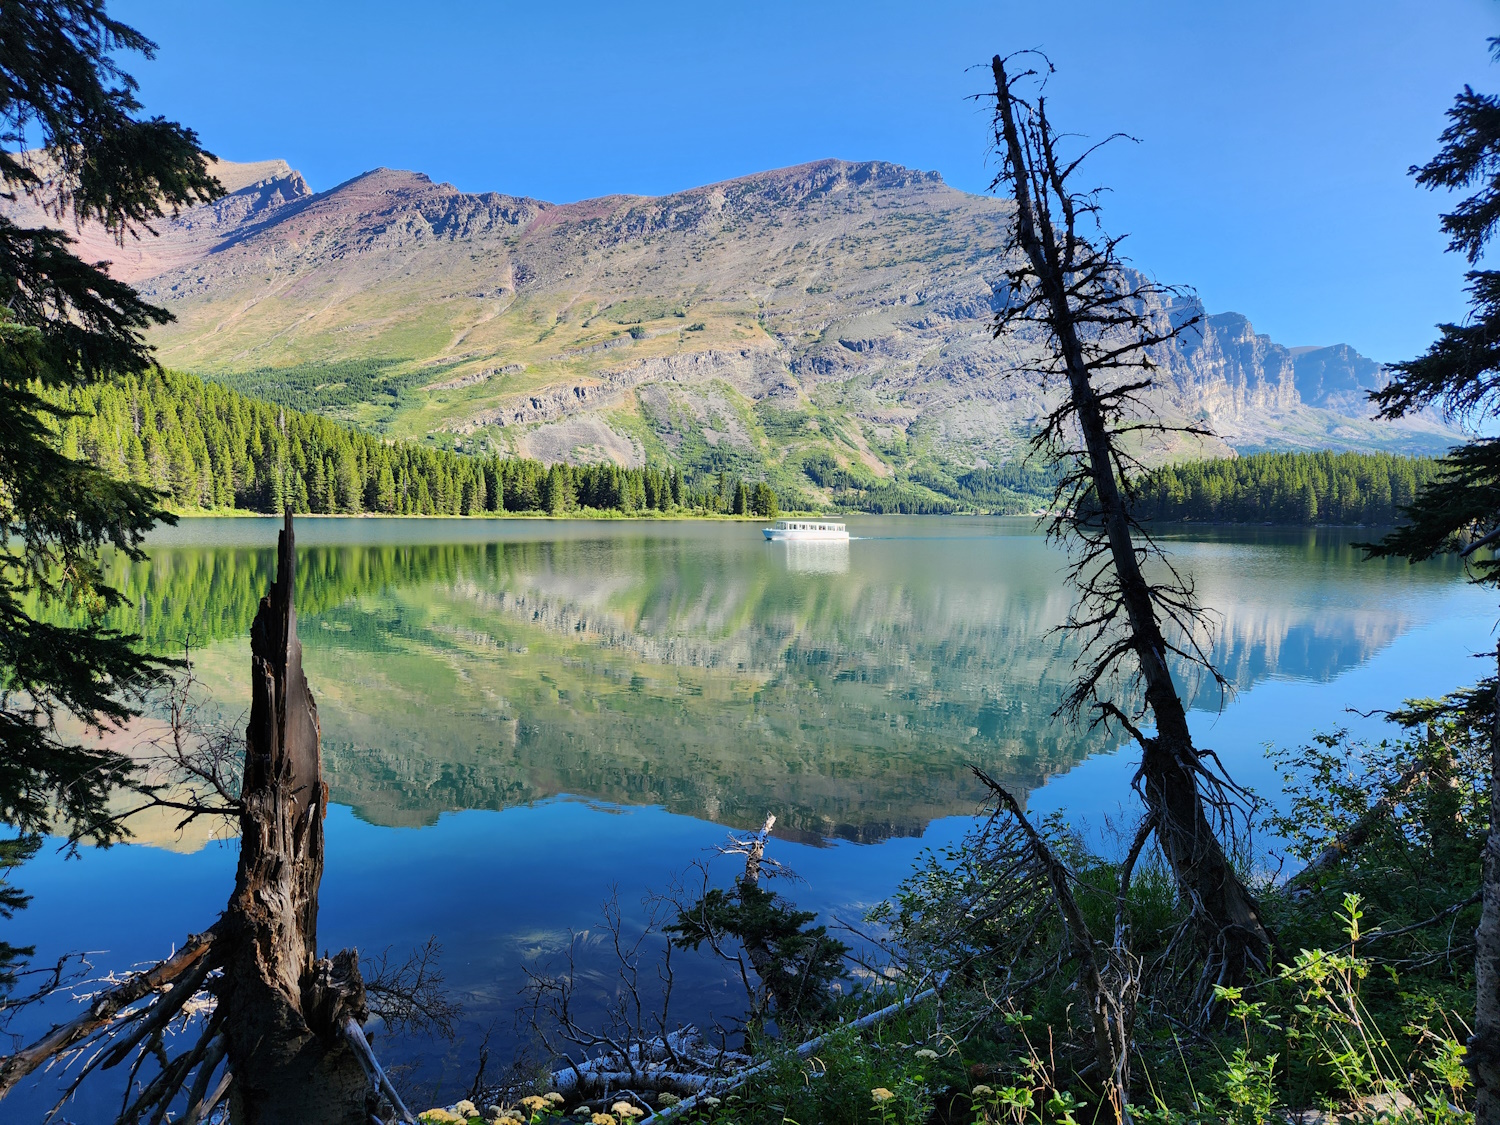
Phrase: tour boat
(804, 531)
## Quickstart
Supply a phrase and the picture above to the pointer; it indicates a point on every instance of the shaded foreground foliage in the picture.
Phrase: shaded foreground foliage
(1365, 1005)
(1368, 1001)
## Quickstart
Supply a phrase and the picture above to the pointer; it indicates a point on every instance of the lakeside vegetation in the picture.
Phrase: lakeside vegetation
(1287, 488)
(1364, 1007)
(209, 448)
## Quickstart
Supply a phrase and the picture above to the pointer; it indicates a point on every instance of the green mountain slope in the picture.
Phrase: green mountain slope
(833, 314)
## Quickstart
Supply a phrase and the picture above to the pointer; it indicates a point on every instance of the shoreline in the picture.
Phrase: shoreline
(582, 514)
(724, 517)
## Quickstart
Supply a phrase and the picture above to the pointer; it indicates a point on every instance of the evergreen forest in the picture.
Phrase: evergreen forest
(210, 448)
(1287, 488)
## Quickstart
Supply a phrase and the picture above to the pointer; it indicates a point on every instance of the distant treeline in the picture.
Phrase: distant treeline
(211, 448)
(1290, 488)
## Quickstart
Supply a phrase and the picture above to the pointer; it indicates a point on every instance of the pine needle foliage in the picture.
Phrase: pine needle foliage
(72, 141)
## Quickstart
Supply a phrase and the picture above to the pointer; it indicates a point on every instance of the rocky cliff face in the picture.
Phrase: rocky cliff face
(838, 308)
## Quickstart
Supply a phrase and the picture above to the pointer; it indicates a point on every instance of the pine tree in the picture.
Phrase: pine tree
(385, 489)
(68, 324)
(1460, 510)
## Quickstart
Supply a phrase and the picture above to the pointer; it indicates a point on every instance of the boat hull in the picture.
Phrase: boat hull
(776, 535)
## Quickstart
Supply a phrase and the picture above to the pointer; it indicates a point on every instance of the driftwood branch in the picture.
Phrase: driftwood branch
(1110, 995)
(733, 1081)
(105, 1009)
(1447, 912)
(198, 1111)
(377, 1075)
(1127, 871)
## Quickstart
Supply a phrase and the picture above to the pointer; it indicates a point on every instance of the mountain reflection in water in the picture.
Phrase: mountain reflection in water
(847, 687)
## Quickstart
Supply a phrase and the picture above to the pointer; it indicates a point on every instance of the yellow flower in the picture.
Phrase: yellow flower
(982, 1091)
(625, 1109)
(554, 1097)
(881, 1094)
(666, 1101)
(466, 1109)
(534, 1102)
(604, 1119)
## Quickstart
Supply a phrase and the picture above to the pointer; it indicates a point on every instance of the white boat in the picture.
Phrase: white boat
(807, 531)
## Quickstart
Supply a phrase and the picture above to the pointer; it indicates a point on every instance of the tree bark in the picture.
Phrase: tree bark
(1169, 766)
(1484, 1044)
(284, 1007)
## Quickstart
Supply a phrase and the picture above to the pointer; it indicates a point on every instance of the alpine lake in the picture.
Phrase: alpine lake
(523, 720)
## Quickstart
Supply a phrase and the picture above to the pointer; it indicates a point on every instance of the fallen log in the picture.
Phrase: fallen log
(674, 1064)
(379, 1080)
(730, 1082)
(105, 1009)
(655, 1078)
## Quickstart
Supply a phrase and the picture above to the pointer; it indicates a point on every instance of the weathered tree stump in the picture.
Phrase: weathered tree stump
(283, 1007)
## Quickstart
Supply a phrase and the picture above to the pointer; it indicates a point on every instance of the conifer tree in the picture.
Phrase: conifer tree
(68, 324)
(1459, 511)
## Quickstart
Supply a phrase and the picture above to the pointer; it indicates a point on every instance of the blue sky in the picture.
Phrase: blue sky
(1271, 173)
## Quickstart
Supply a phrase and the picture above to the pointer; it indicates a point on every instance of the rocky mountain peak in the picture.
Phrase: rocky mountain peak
(835, 309)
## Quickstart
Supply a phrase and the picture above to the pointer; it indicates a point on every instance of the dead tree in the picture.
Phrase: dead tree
(1100, 323)
(280, 1036)
(796, 965)
(284, 1009)
(1109, 976)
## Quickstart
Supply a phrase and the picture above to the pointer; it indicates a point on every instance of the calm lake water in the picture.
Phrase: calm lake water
(523, 718)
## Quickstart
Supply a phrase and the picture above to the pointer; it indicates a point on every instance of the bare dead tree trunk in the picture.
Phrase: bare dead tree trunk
(1484, 1045)
(1110, 989)
(286, 1028)
(1075, 290)
(762, 959)
(283, 1008)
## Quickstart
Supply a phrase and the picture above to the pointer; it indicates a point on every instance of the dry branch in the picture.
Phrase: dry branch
(1110, 989)
(106, 1009)
(733, 1081)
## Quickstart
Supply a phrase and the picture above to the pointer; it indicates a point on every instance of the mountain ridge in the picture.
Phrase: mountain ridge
(832, 309)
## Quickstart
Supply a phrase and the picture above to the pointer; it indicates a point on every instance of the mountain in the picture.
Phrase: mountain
(833, 314)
